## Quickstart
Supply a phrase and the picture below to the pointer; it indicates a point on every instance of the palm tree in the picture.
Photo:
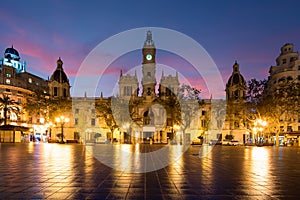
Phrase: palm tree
(8, 106)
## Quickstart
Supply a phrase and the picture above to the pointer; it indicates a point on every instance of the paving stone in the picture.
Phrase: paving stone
(57, 171)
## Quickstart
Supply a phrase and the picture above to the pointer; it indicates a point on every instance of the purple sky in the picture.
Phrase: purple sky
(250, 32)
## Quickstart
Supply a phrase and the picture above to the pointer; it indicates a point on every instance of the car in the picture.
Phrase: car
(234, 143)
(215, 142)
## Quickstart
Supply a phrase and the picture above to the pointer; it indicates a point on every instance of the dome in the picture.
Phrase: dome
(236, 78)
(59, 75)
(11, 53)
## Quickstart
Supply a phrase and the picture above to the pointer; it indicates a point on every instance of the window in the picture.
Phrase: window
(298, 77)
(76, 111)
(148, 74)
(148, 91)
(236, 94)
(7, 81)
(65, 92)
(219, 123)
(127, 91)
(283, 61)
(203, 112)
(76, 121)
(168, 92)
(93, 122)
(298, 128)
(169, 122)
(76, 135)
(29, 80)
(291, 59)
(146, 119)
(55, 91)
(19, 100)
(8, 75)
(7, 90)
(289, 129)
(236, 124)
(299, 67)
(281, 128)
(37, 83)
(93, 111)
(203, 123)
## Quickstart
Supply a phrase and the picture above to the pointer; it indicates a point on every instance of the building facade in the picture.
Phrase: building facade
(23, 87)
(284, 74)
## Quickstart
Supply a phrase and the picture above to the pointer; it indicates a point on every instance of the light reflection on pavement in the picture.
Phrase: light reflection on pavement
(70, 171)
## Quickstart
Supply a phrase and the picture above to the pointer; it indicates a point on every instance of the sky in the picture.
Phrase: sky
(250, 32)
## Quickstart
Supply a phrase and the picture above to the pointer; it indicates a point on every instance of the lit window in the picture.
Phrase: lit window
(8, 75)
(30, 80)
(7, 81)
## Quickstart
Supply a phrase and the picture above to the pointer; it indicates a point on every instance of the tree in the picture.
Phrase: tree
(281, 106)
(37, 105)
(58, 107)
(104, 111)
(277, 104)
(9, 106)
(186, 106)
(255, 101)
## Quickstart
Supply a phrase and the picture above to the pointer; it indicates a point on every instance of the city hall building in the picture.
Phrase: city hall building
(150, 104)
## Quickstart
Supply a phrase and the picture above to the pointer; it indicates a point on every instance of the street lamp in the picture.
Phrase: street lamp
(62, 120)
(259, 126)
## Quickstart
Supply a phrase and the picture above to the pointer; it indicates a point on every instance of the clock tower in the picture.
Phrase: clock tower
(148, 69)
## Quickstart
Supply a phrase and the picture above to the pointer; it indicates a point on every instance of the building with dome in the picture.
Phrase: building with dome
(235, 122)
(21, 86)
(287, 72)
(59, 85)
(12, 58)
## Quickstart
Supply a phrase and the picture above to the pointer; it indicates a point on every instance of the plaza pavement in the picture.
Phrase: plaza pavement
(70, 171)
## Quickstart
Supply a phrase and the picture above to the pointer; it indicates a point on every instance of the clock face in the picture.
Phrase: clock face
(148, 57)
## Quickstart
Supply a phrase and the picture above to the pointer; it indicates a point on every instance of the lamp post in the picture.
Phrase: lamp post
(62, 120)
(259, 126)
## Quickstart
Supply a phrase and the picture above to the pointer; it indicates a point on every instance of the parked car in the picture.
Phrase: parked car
(234, 143)
(215, 142)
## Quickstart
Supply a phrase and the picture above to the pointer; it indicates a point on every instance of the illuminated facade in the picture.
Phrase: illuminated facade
(21, 86)
(287, 71)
